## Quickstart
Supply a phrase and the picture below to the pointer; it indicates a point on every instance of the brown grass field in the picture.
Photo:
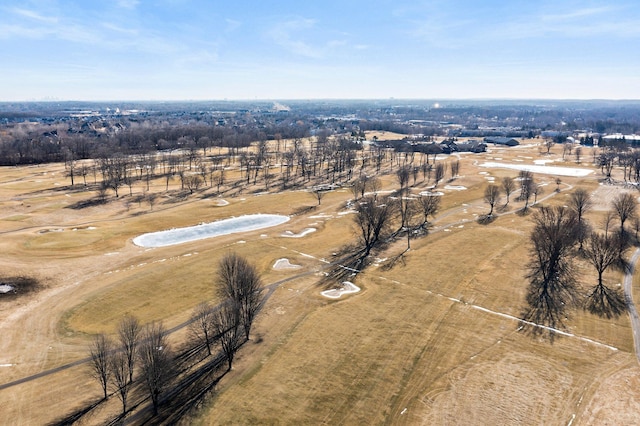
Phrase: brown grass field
(433, 340)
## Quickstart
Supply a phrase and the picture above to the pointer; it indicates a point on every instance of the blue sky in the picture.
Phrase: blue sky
(197, 49)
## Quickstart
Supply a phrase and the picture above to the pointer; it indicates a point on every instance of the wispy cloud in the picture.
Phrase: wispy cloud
(585, 22)
(232, 25)
(33, 15)
(128, 4)
(286, 34)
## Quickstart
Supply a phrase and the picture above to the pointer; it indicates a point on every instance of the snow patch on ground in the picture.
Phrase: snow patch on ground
(221, 203)
(543, 162)
(548, 170)
(346, 288)
(306, 231)
(455, 187)
(6, 288)
(429, 193)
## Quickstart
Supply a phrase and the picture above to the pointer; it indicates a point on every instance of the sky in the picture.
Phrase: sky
(310, 49)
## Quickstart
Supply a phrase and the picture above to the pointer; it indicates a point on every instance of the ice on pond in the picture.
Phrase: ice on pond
(208, 230)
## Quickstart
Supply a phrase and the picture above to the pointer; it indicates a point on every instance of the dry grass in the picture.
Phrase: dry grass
(426, 342)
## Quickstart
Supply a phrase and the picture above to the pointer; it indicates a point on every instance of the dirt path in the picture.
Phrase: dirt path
(633, 313)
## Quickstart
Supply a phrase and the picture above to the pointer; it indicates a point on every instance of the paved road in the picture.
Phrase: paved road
(633, 313)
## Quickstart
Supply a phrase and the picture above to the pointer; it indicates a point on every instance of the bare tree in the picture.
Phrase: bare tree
(580, 203)
(429, 205)
(318, 193)
(625, 208)
(101, 351)
(492, 196)
(439, 172)
(578, 154)
(455, 169)
(508, 186)
(552, 284)
(602, 252)
(226, 323)
(359, 187)
(156, 361)
(120, 377)
(607, 221)
(403, 174)
(129, 333)
(201, 326)
(192, 183)
(372, 218)
(240, 281)
(527, 185)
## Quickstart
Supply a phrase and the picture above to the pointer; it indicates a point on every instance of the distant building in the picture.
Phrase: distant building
(501, 141)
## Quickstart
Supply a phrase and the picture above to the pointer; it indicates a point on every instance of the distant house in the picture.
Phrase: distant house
(450, 146)
(471, 146)
(501, 141)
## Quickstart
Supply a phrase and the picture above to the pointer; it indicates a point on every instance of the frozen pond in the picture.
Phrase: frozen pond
(548, 170)
(208, 230)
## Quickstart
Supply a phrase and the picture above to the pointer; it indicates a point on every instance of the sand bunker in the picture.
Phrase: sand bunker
(548, 170)
(455, 187)
(306, 231)
(346, 288)
(285, 264)
(221, 203)
(432, 194)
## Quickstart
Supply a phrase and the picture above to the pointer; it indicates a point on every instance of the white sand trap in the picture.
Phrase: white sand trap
(547, 170)
(222, 203)
(306, 231)
(285, 264)
(5, 288)
(455, 187)
(336, 293)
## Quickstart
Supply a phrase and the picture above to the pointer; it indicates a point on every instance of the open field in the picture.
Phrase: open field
(432, 340)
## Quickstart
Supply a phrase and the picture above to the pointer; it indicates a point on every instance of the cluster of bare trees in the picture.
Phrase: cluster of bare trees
(140, 348)
(562, 235)
(528, 187)
(144, 355)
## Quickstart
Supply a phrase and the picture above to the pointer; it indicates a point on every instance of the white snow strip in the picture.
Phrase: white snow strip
(5, 288)
(548, 170)
(555, 330)
(289, 234)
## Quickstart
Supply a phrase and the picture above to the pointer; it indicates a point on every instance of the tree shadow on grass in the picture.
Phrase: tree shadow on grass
(486, 219)
(78, 414)
(606, 302)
